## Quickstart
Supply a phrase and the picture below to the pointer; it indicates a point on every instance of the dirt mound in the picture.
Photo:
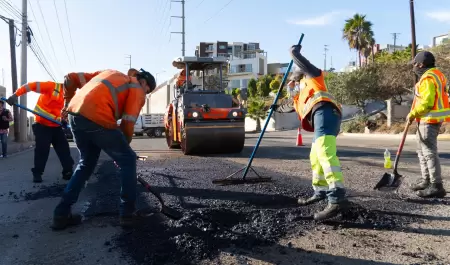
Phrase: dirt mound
(54, 190)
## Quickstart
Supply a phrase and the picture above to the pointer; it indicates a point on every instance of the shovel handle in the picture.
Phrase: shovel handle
(400, 147)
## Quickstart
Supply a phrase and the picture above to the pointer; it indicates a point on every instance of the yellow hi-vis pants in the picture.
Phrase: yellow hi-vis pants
(326, 168)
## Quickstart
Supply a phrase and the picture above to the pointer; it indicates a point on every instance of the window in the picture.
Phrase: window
(248, 68)
(244, 82)
(251, 46)
(222, 47)
(235, 83)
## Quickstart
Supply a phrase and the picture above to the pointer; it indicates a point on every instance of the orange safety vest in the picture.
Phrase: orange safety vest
(50, 102)
(441, 108)
(108, 97)
(313, 91)
(182, 78)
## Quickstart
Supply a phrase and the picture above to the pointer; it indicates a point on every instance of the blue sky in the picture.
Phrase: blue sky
(105, 31)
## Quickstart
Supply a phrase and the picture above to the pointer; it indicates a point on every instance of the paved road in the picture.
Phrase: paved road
(26, 209)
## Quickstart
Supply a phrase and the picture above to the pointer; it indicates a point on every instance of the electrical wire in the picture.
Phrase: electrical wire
(220, 10)
(48, 35)
(70, 33)
(40, 61)
(60, 30)
(12, 10)
(201, 2)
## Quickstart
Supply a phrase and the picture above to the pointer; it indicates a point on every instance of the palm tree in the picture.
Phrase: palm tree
(367, 50)
(358, 33)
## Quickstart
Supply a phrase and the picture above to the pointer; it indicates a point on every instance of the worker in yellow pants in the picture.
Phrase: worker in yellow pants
(318, 112)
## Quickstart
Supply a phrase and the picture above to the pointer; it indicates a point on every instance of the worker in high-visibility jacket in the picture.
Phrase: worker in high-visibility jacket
(47, 133)
(93, 114)
(319, 113)
(430, 109)
(182, 78)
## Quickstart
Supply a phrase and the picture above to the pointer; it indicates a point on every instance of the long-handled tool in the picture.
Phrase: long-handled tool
(229, 180)
(166, 210)
(390, 182)
(37, 113)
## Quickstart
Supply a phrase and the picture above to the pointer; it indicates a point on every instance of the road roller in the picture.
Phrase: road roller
(202, 118)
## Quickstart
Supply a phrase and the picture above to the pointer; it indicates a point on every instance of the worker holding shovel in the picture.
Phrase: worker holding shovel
(93, 113)
(319, 113)
(430, 109)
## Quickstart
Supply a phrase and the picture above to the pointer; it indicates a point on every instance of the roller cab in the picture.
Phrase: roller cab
(204, 119)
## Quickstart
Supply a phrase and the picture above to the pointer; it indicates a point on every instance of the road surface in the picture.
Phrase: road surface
(244, 224)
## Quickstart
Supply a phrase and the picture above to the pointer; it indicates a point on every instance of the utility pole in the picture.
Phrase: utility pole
(128, 56)
(395, 38)
(413, 34)
(325, 49)
(23, 74)
(12, 46)
(183, 32)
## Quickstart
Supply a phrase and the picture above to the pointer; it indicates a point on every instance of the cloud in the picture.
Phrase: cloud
(321, 20)
(441, 16)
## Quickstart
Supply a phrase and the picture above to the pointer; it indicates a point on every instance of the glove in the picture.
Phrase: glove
(64, 114)
(67, 81)
(410, 118)
(12, 99)
(296, 48)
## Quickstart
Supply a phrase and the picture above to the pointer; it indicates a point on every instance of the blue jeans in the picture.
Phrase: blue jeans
(327, 121)
(91, 139)
(4, 141)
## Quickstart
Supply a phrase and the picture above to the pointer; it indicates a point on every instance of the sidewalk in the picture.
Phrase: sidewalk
(14, 147)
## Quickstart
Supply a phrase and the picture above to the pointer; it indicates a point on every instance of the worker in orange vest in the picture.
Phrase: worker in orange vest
(182, 78)
(47, 133)
(93, 114)
(430, 109)
(319, 113)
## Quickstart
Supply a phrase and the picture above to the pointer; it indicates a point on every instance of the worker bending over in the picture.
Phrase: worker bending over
(430, 109)
(93, 113)
(182, 78)
(50, 104)
(321, 114)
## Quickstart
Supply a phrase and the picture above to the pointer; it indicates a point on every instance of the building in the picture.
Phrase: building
(278, 68)
(350, 67)
(438, 40)
(246, 60)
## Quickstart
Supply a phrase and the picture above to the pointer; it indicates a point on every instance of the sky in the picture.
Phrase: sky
(99, 34)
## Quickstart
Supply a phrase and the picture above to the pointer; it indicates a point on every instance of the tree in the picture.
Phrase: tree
(263, 85)
(256, 111)
(275, 85)
(358, 33)
(252, 88)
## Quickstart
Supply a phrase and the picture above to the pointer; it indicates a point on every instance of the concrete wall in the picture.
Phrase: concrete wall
(278, 121)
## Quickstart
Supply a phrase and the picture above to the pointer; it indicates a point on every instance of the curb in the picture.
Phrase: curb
(441, 137)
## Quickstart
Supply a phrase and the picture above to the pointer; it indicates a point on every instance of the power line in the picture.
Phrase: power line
(40, 61)
(220, 10)
(70, 33)
(48, 35)
(13, 10)
(60, 29)
(201, 2)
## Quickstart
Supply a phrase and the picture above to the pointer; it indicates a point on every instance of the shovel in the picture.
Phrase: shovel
(392, 181)
(166, 210)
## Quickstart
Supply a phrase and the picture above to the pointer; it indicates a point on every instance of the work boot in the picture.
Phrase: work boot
(62, 222)
(332, 210)
(313, 199)
(66, 175)
(37, 178)
(421, 185)
(434, 190)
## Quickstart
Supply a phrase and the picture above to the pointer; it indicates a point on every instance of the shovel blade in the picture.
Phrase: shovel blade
(171, 213)
(389, 182)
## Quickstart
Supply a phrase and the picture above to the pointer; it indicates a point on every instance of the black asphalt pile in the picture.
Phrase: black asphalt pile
(218, 217)
(45, 191)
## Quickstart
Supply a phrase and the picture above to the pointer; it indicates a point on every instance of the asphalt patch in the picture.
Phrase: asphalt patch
(239, 217)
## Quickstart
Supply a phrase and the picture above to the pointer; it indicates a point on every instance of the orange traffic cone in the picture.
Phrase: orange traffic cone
(299, 137)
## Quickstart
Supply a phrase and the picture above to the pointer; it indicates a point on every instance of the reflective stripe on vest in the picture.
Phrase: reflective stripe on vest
(114, 91)
(317, 97)
(82, 79)
(57, 90)
(442, 113)
(39, 110)
(38, 87)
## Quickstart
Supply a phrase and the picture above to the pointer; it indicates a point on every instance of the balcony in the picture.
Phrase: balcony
(240, 69)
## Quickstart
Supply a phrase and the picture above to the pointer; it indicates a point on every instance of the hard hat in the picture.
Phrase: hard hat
(151, 82)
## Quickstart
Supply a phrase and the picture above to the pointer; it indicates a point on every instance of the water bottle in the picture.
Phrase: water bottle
(387, 159)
